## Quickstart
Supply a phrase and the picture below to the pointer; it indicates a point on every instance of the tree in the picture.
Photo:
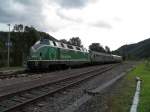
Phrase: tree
(18, 28)
(75, 41)
(23, 37)
(63, 41)
(44, 35)
(1, 44)
(30, 36)
(96, 47)
(107, 49)
(27, 29)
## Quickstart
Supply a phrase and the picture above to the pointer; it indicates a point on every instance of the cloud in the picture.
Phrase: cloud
(28, 12)
(101, 24)
(31, 12)
(66, 15)
(16, 11)
(117, 19)
(72, 3)
(59, 13)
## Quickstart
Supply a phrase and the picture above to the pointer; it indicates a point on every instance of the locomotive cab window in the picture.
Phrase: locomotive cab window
(38, 42)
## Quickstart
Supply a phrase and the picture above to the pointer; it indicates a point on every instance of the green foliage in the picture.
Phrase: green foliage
(18, 28)
(107, 49)
(1, 44)
(147, 63)
(121, 97)
(75, 41)
(97, 47)
(122, 100)
(64, 41)
(143, 72)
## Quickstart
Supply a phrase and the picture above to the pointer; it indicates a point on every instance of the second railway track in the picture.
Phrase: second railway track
(14, 100)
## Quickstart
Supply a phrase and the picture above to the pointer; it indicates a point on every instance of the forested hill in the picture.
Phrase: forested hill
(138, 50)
(37, 34)
(23, 40)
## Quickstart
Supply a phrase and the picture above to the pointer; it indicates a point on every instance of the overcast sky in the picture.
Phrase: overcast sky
(109, 22)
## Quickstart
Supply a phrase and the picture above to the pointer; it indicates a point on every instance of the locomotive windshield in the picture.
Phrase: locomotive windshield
(40, 43)
(36, 45)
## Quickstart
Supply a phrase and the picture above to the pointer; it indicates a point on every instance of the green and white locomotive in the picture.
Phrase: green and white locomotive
(47, 54)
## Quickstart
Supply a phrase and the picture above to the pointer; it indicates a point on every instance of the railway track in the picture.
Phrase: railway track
(4, 75)
(14, 100)
(19, 74)
(23, 73)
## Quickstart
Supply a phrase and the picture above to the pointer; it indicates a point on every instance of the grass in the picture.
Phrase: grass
(143, 71)
(121, 99)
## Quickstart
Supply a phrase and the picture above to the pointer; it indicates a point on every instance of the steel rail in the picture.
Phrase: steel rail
(21, 73)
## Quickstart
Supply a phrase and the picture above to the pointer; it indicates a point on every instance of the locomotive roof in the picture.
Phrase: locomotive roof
(100, 53)
(47, 42)
(104, 54)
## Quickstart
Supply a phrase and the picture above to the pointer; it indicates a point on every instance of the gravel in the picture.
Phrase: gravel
(60, 101)
(27, 78)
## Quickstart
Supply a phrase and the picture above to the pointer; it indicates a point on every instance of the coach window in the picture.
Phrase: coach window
(69, 46)
(82, 49)
(62, 45)
(78, 48)
(58, 44)
(85, 50)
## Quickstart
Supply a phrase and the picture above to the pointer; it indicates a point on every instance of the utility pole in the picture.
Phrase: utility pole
(8, 44)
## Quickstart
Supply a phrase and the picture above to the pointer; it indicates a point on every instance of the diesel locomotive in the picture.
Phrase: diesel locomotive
(46, 53)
